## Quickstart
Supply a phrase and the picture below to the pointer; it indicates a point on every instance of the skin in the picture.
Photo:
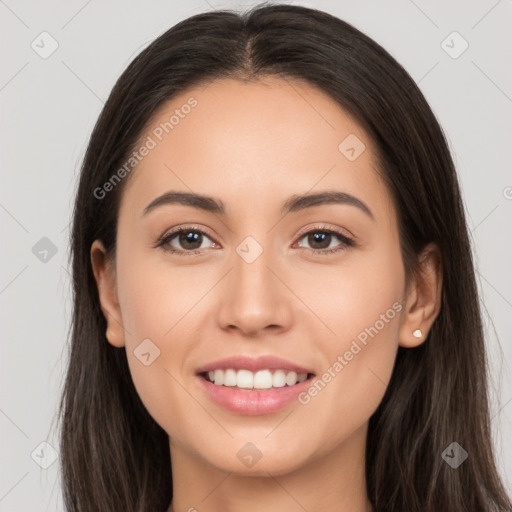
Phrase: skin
(252, 145)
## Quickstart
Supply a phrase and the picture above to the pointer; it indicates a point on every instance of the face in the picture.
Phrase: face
(319, 285)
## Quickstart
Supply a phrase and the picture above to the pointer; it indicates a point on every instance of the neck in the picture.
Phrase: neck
(331, 482)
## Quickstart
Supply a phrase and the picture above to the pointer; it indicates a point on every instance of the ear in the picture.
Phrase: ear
(423, 301)
(104, 273)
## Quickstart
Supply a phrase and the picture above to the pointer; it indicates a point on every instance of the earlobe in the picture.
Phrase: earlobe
(104, 274)
(423, 302)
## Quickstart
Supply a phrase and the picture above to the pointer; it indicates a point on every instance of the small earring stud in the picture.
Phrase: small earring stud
(417, 333)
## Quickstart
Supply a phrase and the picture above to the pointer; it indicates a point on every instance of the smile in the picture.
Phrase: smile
(262, 379)
(253, 386)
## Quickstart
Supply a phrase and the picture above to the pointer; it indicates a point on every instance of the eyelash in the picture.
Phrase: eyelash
(167, 237)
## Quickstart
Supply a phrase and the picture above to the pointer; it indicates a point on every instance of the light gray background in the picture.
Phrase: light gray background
(49, 107)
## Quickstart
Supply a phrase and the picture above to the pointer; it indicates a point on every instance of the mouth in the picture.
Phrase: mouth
(254, 386)
(244, 379)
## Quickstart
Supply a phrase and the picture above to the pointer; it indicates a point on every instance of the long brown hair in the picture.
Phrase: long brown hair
(114, 456)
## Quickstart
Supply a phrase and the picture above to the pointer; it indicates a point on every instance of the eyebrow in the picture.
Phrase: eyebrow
(293, 204)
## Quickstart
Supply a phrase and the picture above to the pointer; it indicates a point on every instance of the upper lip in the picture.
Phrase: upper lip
(253, 364)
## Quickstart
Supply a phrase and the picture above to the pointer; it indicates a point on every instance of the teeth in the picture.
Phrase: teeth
(218, 377)
(262, 379)
(230, 378)
(244, 379)
(279, 379)
(302, 377)
(291, 378)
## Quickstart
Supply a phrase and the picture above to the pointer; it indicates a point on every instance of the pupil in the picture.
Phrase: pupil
(319, 237)
(190, 237)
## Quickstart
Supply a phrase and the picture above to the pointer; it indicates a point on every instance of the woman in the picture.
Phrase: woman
(319, 344)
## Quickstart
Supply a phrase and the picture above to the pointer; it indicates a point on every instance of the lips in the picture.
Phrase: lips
(254, 402)
(254, 365)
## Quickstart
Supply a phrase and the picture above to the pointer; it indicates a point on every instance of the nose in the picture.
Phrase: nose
(254, 298)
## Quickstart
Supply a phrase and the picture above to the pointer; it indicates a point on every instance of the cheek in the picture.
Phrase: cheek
(155, 304)
(353, 295)
(154, 297)
(361, 303)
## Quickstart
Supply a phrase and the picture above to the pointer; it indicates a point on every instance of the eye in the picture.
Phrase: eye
(190, 239)
(320, 239)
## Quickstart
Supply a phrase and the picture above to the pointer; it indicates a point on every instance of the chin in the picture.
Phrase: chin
(260, 458)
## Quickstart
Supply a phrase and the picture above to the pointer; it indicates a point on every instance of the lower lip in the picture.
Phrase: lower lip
(254, 402)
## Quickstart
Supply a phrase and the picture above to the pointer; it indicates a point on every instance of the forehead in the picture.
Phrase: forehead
(252, 143)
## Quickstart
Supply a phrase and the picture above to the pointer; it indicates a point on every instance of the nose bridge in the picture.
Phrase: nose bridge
(251, 261)
(253, 298)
